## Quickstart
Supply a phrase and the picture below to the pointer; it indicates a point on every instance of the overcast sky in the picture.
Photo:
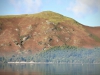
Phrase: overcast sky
(86, 12)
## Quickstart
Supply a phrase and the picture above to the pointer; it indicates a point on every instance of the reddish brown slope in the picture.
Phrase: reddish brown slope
(44, 30)
(93, 30)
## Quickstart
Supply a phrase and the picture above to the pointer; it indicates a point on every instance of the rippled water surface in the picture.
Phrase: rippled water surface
(49, 69)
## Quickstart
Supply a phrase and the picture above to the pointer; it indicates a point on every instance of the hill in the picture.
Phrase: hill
(41, 31)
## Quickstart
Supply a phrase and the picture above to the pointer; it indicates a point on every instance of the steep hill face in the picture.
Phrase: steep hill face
(44, 30)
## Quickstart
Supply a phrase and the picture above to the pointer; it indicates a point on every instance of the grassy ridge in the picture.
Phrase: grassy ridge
(49, 15)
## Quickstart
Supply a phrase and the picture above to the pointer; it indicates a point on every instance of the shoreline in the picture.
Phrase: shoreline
(30, 62)
(47, 63)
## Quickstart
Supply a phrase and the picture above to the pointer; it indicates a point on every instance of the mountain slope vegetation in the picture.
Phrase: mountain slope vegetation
(44, 30)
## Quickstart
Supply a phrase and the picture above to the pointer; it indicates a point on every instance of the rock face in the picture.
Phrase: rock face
(44, 30)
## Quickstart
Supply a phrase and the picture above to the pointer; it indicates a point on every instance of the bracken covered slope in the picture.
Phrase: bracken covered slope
(44, 30)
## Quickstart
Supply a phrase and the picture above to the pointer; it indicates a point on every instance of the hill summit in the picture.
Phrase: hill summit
(44, 30)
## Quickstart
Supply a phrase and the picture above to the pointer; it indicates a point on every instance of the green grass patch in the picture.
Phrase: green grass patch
(64, 47)
(96, 38)
(51, 16)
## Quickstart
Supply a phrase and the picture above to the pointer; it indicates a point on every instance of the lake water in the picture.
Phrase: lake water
(49, 69)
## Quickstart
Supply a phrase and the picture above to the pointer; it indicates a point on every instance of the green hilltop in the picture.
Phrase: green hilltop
(49, 15)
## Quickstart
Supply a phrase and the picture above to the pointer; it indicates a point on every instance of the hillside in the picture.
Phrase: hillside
(41, 31)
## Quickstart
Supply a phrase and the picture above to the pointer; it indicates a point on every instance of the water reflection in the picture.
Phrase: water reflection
(49, 69)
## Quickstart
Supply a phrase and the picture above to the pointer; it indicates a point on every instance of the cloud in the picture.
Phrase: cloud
(82, 7)
(26, 6)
